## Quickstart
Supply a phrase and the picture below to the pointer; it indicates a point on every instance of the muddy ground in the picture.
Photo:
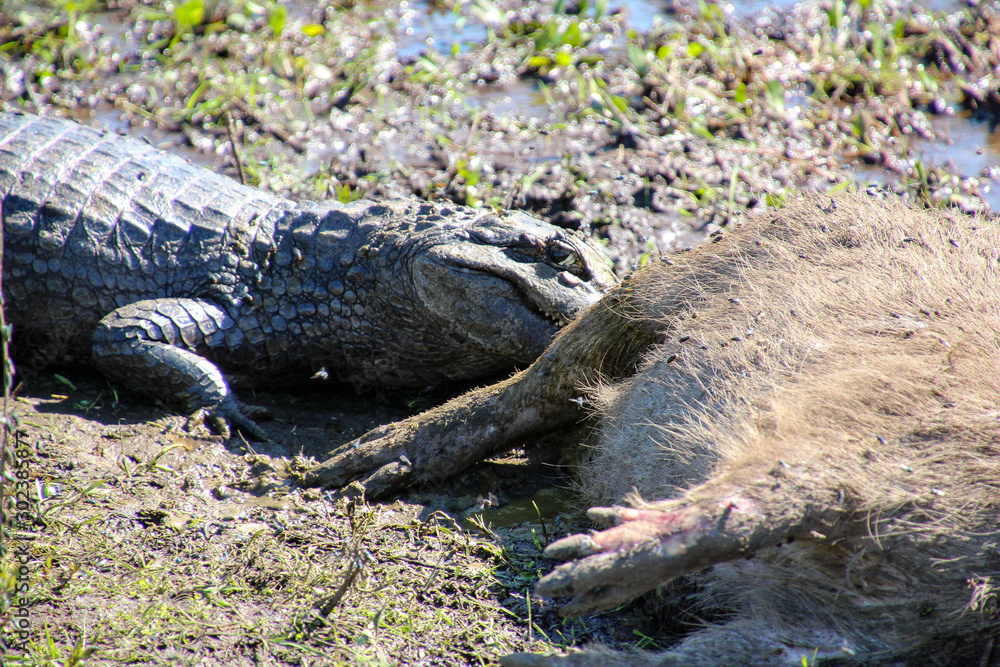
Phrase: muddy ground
(155, 542)
(159, 543)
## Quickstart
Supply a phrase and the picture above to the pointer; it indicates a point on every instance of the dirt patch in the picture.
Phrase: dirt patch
(155, 544)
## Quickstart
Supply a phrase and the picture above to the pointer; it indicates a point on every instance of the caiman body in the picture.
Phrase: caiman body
(177, 282)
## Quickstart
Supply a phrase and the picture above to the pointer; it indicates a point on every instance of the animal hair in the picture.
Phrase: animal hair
(852, 346)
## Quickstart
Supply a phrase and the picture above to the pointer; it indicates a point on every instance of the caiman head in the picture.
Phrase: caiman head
(490, 293)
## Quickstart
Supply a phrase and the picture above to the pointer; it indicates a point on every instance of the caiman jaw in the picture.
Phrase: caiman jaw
(509, 290)
(557, 275)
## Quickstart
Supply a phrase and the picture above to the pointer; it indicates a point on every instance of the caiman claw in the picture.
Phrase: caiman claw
(231, 412)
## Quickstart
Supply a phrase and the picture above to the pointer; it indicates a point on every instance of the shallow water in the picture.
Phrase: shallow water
(113, 120)
(545, 505)
(967, 147)
(423, 27)
(963, 146)
(522, 97)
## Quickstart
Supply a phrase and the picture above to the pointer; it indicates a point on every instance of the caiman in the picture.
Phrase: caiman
(180, 283)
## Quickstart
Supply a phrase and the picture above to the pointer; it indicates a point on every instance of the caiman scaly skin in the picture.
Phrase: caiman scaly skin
(179, 282)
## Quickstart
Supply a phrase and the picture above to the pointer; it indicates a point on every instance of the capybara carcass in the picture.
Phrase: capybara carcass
(821, 428)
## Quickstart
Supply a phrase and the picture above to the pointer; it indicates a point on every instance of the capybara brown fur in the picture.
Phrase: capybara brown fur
(821, 429)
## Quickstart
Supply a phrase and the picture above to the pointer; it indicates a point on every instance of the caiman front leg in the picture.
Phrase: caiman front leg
(602, 344)
(161, 342)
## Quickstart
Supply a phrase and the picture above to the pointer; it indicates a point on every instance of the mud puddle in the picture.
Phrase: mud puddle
(962, 147)
(967, 147)
(193, 149)
(520, 98)
(423, 26)
(547, 505)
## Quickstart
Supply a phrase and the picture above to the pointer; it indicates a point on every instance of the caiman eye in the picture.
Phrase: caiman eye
(563, 254)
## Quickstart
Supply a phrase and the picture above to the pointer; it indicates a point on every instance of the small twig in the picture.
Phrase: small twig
(276, 130)
(234, 146)
(531, 625)
(986, 660)
(354, 568)
(29, 32)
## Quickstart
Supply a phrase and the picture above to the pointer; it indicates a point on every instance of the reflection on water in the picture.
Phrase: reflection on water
(518, 98)
(113, 120)
(963, 147)
(422, 27)
(967, 148)
(545, 505)
(642, 13)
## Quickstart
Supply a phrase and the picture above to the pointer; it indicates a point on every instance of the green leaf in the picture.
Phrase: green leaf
(277, 19)
(637, 57)
(695, 49)
(572, 35)
(190, 14)
(741, 93)
(346, 194)
(313, 29)
(776, 94)
(538, 62)
(66, 381)
(546, 37)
